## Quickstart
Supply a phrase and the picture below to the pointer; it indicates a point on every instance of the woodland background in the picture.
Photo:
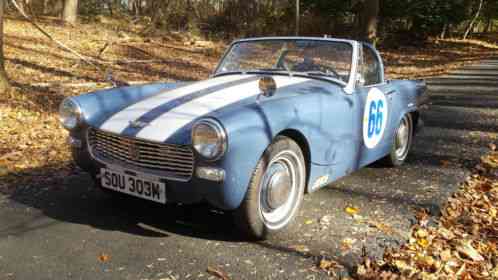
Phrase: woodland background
(389, 23)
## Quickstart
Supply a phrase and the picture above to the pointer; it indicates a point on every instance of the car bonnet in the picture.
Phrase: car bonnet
(161, 116)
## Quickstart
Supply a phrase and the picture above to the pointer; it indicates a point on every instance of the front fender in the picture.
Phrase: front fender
(251, 129)
(247, 142)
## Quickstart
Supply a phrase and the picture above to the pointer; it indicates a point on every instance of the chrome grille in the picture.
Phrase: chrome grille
(171, 161)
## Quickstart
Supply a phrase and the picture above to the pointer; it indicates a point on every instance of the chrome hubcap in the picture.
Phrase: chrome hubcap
(402, 138)
(280, 187)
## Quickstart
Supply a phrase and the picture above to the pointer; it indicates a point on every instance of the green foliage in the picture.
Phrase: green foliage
(425, 17)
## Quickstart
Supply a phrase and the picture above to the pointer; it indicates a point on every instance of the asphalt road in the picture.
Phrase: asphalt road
(68, 230)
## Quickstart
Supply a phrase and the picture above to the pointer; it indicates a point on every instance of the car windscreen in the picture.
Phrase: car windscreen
(320, 57)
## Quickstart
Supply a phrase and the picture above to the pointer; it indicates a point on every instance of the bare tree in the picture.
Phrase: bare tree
(70, 12)
(4, 82)
(473, 21)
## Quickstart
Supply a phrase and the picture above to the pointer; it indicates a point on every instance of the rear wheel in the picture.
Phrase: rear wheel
(402, 142)
(275, 191)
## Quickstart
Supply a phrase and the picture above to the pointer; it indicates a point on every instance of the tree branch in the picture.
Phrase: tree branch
(88, 60)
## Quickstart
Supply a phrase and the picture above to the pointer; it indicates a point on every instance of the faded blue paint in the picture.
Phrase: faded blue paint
(330, 120)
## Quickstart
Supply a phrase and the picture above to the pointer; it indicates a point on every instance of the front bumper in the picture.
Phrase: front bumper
(206, 184)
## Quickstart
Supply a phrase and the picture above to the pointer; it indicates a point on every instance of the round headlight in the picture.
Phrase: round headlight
(209, 139)
(69, 113)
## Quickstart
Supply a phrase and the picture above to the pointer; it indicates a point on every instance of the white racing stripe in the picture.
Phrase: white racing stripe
(170, 122)
(119, 121)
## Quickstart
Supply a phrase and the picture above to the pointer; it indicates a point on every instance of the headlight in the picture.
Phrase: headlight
(69, 113)
(209, 139)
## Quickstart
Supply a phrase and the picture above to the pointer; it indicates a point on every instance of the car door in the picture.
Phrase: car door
(374, 98)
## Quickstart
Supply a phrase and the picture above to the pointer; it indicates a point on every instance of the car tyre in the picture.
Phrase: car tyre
(275, 191)
(402, 142)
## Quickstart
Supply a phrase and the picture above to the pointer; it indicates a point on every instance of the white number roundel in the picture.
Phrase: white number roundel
(374, 118)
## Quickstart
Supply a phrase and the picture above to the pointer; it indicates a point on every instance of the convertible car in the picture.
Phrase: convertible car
(278, 118)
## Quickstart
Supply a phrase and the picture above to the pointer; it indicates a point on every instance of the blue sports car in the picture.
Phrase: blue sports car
(279, 117)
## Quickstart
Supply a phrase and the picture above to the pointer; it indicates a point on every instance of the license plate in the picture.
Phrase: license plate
(139, 185)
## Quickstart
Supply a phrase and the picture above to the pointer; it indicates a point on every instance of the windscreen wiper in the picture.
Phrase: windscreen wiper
(320, 73)
(276, 70)
(324, 75)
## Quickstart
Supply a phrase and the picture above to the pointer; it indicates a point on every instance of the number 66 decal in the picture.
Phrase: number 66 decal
(374, 118)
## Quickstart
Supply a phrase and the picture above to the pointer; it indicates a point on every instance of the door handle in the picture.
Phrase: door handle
(390, 93)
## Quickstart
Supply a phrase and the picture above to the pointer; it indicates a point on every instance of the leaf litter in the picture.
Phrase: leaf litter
(462, 245)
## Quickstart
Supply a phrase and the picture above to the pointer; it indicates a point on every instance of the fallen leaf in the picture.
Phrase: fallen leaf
(325, 220)
(445, 233)
(327, 264)
(494, 272)
(347, 244)
(300, 248)
(403, 266)
(422, 216)
(104, 257)
(352, 210)
(421, 233)
(492, 147)
(445, 163)
(445, 255)
(422, 242)
(426, 262)
(308, 222)
(468, 250)
(217, 272)
(493, 212)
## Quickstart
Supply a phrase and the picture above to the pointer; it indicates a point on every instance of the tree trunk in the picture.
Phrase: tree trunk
(70, 12)
(4, 82)
(472, 22)
(488, 25)
(109, 7)
(443, 32)
(368, 20)
(298, 17)
(53, 7)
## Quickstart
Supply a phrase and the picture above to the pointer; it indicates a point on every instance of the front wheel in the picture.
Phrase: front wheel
(402, 142)
(275, 191)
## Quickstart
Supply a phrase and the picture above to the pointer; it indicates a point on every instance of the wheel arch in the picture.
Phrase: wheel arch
(415, 119)
(303, 143)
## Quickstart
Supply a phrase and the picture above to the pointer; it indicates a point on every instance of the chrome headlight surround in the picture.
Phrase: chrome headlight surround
(70, 114)
(209, 139)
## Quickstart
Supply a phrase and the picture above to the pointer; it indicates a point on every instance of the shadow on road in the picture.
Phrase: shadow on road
(75, 200)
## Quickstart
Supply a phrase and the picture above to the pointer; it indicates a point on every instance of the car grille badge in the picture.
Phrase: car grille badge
(138, 124)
